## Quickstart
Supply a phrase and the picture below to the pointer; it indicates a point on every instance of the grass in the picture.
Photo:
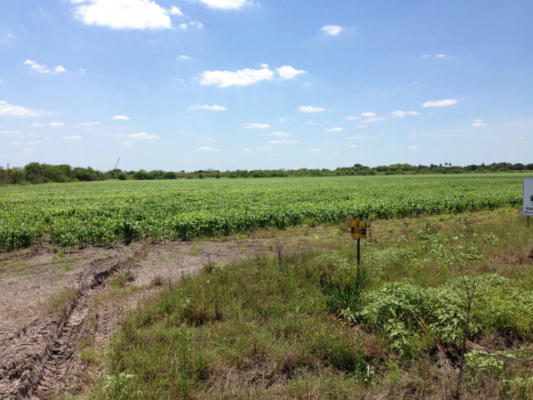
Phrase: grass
(300, 326)
(59, 302)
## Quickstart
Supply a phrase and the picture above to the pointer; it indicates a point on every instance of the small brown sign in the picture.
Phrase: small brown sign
(358, 229)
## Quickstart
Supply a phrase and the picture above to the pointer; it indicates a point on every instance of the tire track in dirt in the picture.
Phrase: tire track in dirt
(42, 355)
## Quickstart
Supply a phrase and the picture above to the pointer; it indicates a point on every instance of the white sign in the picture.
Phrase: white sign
(528, 196)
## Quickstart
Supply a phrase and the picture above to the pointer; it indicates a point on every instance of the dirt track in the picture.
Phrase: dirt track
(40, 339)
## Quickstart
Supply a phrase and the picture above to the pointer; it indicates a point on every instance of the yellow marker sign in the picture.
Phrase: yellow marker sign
(358, 229)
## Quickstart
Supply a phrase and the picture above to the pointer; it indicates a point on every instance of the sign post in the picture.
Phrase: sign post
(358, 231)
(528, 199)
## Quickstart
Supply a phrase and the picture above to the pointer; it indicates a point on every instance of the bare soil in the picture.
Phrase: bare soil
(53, 303)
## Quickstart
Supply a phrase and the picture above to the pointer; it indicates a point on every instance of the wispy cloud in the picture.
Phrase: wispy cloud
(71, 138)
(437, 56)
(123, 14)
(13, 110)
(43, 69)
(225, 4)
(255, 125)
(332, 30)
(207, 148)
(259, 148)
(207, 107)
(143, 136)
(276, 134)
(121, 118)
(7, 38)
(478, 123)
(184, 57)
(283, 141)
(311, 109)
(411, 147)
(335, 129)
(8, 132)
(401, 113)
(366, 116)
(53, 124)
(191, 24)
(440, 103)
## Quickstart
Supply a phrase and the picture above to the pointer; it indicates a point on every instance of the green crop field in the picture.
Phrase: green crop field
(103, 213)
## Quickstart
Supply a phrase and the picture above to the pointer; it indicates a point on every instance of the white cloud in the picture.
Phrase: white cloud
(207, 107)
(225, 4)
(283, 141)
(311, 109)
(53, 124)
(175, 10)
(121, 117)
(255, 125)
(143, 136)
(10, 132)
(365, 117)
(242, 77)
(123, 14)
(288, 72)
(478, 123)
(312, 123)
(13, 110)
(194, 24)
(401, 113)
(207, 148)
(43, 69)
(184, 57)
(316, 150)
(336, 129)
(353, 146)
(440, 103)
(72, 138)
(412, 147)
(259, 148)
(127, 144)
(332, 30)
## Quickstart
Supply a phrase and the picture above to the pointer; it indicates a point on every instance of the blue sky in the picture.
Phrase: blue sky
(229, 84)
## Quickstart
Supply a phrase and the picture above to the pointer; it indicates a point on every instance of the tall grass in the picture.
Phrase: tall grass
(301, 327)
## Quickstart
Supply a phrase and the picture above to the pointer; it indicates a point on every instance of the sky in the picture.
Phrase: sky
(265, 84)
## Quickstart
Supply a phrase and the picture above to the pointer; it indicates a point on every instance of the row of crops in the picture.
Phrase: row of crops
(104, 213)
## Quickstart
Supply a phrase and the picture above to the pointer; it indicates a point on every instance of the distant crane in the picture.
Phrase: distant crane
(116, 165)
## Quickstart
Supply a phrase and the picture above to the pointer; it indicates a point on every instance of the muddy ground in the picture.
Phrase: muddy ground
(56, 304)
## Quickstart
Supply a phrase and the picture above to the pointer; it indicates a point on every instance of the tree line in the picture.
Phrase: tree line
(44, 173)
